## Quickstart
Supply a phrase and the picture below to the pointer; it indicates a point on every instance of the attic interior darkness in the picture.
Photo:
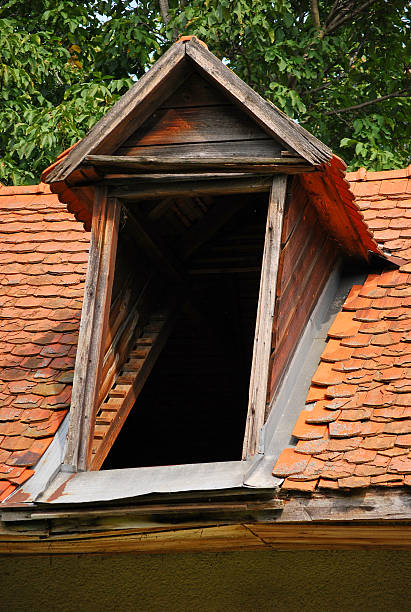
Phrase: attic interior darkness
(193, 406)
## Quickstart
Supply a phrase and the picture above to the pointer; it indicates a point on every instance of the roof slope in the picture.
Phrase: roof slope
(356, 431)
(43, 261)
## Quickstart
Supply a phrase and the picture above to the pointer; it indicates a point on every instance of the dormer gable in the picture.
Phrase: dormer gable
(196, 188)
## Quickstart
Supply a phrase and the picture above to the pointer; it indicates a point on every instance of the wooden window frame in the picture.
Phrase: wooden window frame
(94, 321)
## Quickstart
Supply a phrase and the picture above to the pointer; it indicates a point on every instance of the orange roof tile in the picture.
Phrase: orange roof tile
(43, 261)
(368, 443)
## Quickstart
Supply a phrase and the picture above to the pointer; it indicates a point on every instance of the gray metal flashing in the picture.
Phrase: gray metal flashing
(130, 483)
(290, 399)
(46, 469)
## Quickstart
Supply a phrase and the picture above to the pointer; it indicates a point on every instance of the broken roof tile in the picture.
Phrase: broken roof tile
(403, 441)
(343, 326)
(360, 455)
(304, 431)
(345, 429)
(290, 462)
(354, 482)
(326, 375)
(307, 486)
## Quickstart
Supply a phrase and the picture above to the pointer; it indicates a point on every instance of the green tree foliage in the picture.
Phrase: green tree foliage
(339, 67)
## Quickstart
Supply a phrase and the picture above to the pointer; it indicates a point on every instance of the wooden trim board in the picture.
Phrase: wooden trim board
(94, 318)
(265, 315)
(371, 520)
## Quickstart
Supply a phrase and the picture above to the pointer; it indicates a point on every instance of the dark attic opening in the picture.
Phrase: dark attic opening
(192, 406)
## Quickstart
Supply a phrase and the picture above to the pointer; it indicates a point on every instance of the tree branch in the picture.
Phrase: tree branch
(164, 8)
(396, 94)
(315, 14)
(340, 19)
(331, 13)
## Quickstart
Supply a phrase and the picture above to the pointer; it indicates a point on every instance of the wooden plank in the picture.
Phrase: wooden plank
(294, 286)
(130, 535)
(265, 314)
(299, 314)
(198, 124)
(276, 123)
(392, 505)
(133, 108)
(263, 147)
(334, 537)
(195, 91)
(294, 251)
(214, 538)
(297, 202)
(193, 187)
(176, 164)
(94, 317)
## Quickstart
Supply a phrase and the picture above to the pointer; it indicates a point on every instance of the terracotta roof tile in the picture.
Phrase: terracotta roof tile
(367, 439)
(43, 259)
(290, 462)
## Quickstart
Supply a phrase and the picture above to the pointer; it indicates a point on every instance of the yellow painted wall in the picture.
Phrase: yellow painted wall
(336, 581)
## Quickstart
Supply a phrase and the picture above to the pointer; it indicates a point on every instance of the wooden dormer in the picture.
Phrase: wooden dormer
(216, 222)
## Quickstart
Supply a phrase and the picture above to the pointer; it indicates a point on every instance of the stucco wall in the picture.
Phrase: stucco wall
(251, 581)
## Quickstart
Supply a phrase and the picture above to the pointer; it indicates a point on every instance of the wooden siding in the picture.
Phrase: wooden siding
(198, 121)
(308, 255)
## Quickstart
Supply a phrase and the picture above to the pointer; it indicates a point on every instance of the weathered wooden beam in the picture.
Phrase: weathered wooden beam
(144, 536)
(273, 121)
(192, 187)
(178, 164)
(265, 314)
(131, 110)
(94, 318)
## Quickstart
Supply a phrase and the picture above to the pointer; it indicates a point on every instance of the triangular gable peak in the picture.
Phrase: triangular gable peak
(155, 87)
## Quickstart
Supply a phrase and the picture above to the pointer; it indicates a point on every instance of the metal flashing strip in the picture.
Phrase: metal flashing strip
(290, 399)
(125, 484)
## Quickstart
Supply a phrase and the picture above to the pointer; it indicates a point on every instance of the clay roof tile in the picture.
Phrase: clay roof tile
(367, 437)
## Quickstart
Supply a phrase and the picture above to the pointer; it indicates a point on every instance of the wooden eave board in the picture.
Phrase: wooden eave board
(372, 520)
(154, 88)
